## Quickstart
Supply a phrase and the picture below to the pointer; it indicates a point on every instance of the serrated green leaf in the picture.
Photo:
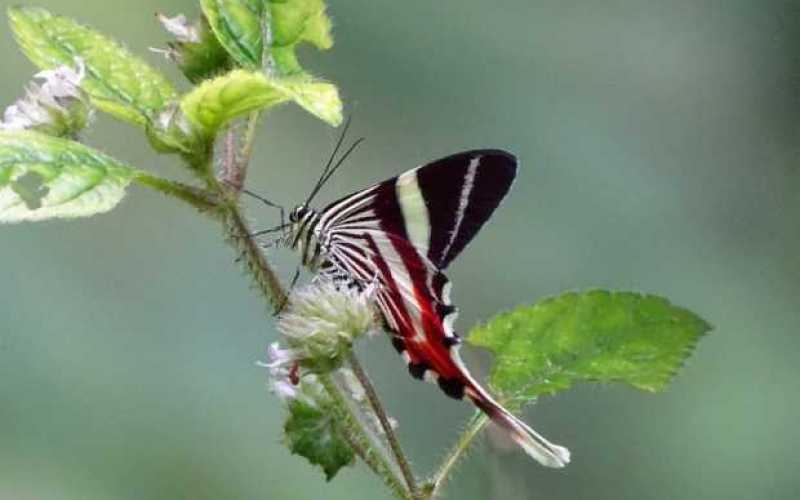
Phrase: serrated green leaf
(591, 336)
(313, 434)
(216, 102)
(242, 26)
(44, 177)
(118, 82)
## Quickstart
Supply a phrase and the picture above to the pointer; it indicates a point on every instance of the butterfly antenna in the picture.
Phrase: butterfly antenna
(339, 142)
(343, 158)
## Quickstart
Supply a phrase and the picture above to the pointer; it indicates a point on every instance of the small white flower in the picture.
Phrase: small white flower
(285, 390)
(62, 82)
(284, 376)
(179, 27)
(279, 360)
(54, 106)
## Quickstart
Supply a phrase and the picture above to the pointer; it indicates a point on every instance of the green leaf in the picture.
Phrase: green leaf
(44, 177)
(216, 102)
(237, 25)
(117, 82)
(591, 336)
(242, 26)
(293, 22)
(312, 433)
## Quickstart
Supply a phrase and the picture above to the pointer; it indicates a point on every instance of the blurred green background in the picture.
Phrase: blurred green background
(659, 146)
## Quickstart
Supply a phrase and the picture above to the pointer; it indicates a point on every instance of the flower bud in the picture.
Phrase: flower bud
(195, 49)
(322, 322)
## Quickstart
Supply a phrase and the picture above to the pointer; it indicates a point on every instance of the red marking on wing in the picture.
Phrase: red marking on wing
(430, 347)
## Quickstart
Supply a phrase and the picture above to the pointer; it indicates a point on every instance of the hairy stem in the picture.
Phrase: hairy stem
(391, 437)
(233, 171)
(239, 234)
(204, 201)
(249, 142)
(361, 442)
(474, 428)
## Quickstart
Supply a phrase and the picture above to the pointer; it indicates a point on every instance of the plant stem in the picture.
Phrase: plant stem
(391, 437)
(360, 441)
(249, 141)
(235, 163)
(203, 200)
(233, 173)
(474, 428)
(264, 277)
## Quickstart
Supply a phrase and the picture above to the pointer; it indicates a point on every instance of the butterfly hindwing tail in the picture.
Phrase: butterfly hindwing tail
(534, 444)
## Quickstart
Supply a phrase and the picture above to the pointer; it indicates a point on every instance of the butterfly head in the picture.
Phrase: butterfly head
(302, 235)
(297, 213)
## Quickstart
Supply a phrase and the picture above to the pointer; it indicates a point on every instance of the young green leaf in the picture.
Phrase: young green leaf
(216, 102)
(265, 33)
(313, 434)
(43, 177)
(117, 82)
(237, 25)
(591, 336)
(293, 22)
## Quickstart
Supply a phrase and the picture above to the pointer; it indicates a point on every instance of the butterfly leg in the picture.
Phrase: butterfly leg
(269, 204)
(289, 291)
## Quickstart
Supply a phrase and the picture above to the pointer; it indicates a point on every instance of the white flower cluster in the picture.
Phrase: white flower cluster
(322, 322)
(318, 328)
(50, 106)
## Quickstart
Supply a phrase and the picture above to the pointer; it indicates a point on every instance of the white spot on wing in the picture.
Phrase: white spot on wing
(415, 212)
(463, 201)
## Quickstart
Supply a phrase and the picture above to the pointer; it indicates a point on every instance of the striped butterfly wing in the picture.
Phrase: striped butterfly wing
(438, 207)
(413, 296)
(402, 232)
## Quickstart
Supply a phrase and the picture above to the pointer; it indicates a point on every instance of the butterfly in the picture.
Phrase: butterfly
(397, 238)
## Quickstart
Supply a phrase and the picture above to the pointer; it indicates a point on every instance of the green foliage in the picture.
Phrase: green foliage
(237, 24)
(314, 433)
(43, 177)
(591, 336)
(216, 102)
(118, 82)
(292, 23)
(263, 33)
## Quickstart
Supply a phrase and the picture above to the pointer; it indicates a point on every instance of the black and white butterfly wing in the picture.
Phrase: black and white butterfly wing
(438, 207)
